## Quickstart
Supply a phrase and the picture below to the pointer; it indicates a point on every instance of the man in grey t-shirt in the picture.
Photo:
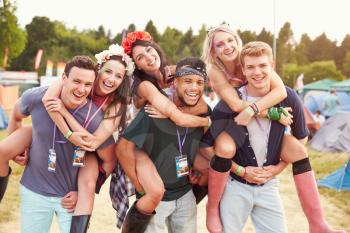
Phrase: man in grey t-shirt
(50, 174)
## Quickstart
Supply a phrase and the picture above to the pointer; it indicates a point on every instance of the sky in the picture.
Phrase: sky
(306, 16)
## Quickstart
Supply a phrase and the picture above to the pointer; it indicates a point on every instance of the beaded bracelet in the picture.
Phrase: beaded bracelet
(255, 109)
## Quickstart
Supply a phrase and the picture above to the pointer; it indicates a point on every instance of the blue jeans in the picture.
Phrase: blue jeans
(37, 212)
(262, 203)
(179, 215)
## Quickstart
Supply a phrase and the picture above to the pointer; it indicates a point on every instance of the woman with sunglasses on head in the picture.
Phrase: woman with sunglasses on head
(221, 53)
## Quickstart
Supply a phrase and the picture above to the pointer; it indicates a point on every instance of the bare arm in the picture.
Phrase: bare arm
(125, 152)
(276, 95)
(168, 108)
(53, 92)
(106, 128)
(225, 91)
(15, 121)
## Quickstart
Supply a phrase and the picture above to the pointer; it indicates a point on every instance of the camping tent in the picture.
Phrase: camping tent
(314, 101)
(339, 180)
(334, 135)
(314, 93)
(311, 124)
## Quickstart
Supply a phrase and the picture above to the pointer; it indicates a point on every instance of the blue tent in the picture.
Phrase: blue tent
(3, 119)
(315, 101)
(339, 180)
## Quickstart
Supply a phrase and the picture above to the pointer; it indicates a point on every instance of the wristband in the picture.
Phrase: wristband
(68, 134)
(255, 109)
(141, 193)
(273, 114)
(238, 170)
(250, 111)
(209, 122)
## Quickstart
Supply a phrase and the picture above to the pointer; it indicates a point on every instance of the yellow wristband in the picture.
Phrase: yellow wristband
(68, 134)
(209, 122)
(250, 111)
(238, 170)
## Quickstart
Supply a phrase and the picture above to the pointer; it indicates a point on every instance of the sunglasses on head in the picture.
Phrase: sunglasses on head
(213, 28)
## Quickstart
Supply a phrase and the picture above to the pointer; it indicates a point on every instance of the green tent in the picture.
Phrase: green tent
(321, 85)
(342, 86)
(326, 85)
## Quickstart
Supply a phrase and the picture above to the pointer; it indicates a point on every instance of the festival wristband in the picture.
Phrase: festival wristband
(141, 193)
(209, 122)
(273, 114)
(238, 170)
(250, 111)
(255, 109)
(68, 134)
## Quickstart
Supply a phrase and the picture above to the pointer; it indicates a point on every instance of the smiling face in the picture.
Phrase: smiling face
(146, 58)
(189, 89)
(110, 77)
(77, 86)
(225, 46)
(258, 71)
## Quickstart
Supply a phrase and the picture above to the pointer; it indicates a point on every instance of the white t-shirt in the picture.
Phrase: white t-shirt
(259, 131)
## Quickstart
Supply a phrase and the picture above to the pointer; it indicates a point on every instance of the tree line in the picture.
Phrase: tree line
(317, 58)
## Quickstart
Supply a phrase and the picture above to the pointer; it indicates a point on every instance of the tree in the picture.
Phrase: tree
(169, 43)
(153, 31)
(285, 44)
(131, 27)
(247, 36)
(41, 35)
(11, 36)
(322, 49)
(341, 52)
(346, 65)
(266, 37)
(312, 72)
(185, 41)
(302, 50)
(197, 43)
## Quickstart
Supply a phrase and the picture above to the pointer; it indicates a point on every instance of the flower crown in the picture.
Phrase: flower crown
(131, 37)
(116, 50)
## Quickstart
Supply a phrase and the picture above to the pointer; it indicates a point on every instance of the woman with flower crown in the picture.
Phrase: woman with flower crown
(111, 95)
(152, 89)
(221, 53)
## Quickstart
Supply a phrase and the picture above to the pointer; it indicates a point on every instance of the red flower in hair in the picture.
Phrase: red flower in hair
(131, 37)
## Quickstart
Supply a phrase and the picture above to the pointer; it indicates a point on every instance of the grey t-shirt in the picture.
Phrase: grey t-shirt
(36, 176)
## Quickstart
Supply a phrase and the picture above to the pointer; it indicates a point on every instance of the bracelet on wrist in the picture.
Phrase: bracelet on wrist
(239, 170)
(250, 111)
(273, 114)
(68, 134)
(209, 122)
(255, 109)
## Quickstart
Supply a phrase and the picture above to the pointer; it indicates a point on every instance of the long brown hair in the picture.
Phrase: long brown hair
(120, 96)
(163, 63)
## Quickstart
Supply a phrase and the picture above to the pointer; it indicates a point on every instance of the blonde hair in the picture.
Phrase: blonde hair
(256, 49)
(208, 55)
